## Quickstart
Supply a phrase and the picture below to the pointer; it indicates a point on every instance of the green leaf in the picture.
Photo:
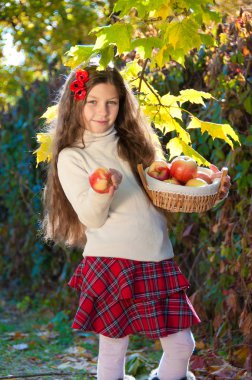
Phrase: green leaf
(146, 45)
(207, 39)
(131, 71)
(118, 34)
(107, 55)
(176, 147)
(78, 54)
(248, 104)
(221, 131)
(125, 6)
(183, 35)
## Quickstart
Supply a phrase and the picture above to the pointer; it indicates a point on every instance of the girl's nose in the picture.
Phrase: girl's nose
(103, 109)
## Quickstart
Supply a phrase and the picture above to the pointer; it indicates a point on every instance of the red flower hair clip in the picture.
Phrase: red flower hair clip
(78, 86)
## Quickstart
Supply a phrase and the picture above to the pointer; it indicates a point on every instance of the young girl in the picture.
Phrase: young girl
(128, 281)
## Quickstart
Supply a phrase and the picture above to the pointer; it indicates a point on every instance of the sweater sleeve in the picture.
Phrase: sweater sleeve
(91, 207)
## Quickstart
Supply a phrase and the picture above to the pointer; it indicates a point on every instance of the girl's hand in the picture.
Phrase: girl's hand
(226, 184)
(116, 179)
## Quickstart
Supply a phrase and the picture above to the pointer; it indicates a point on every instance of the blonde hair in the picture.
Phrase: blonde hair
(60, 222)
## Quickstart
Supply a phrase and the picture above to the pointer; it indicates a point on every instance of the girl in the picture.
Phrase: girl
(128, 281)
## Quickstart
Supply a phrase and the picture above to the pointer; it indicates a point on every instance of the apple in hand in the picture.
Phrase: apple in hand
(183, 168)
(100, 180)
(172, 180)
(159, 170)
(196, 182)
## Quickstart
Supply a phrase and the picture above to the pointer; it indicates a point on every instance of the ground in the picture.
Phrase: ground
(39, 344)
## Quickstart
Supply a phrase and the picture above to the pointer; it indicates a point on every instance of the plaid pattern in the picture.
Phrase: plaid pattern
(119, 297)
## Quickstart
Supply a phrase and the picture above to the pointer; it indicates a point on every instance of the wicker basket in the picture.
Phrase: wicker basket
(174, 202)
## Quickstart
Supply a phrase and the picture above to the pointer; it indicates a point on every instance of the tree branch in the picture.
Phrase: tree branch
(142, 73)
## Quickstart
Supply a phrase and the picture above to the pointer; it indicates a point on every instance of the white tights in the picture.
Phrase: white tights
(177, 350)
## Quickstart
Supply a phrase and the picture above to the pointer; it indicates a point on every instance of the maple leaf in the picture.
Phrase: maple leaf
(145, 46)
(78, 54)
(176, 146)
(50, 114)
(183, 35)
(171, 102)
(44, 152)
(220, 131)
(131, 71)
(193, 96)
(106, 56)
(142, 7)
(118, 34)
(163, 12)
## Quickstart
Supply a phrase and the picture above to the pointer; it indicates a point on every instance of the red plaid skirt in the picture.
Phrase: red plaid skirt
(119, 297)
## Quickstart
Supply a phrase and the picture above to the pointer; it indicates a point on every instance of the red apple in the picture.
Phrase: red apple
(173, 181)
(196, 182)
(183, 168)
(159, 170)
(100, 180)
(203, 175)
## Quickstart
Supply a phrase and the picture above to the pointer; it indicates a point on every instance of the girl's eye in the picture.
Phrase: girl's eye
(112, 102)
(91, 101)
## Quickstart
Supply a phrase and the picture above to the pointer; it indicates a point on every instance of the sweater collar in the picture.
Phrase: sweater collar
(91, 137)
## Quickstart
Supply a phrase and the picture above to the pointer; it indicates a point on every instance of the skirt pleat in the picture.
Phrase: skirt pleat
(119, 297)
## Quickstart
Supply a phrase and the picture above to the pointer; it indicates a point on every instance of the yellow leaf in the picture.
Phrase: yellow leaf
(220, 131)
(44, 152)
(171, 102)
(50, 114)
(164, 11)
(148, 91)
(193, 96)
(223, 38)
(165, 121)
(131, 70)
(176, 147)
(159, 57)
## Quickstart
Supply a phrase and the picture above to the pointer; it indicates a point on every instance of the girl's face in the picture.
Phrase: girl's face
(101, 108)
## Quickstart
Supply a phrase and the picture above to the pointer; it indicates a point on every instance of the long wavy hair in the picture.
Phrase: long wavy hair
(60, 223)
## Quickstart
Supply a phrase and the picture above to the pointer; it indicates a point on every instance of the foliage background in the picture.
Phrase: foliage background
(214, 249)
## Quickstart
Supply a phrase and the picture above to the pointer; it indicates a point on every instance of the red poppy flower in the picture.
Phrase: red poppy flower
(76, 86)
(82, 76)
(80, 94)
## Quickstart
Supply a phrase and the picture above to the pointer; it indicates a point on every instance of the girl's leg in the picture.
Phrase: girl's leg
(111, 357)
(177, 349)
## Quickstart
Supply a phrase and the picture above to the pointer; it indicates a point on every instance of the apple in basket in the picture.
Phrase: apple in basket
(173, 181)
(100, 180)
(203, 175)
(183, 168)
(196, 182)
(159, 170)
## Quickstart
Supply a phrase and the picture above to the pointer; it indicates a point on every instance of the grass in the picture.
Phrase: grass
(38, 341)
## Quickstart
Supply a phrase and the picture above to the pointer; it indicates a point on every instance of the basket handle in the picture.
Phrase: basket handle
(143, 179)
(224, 171)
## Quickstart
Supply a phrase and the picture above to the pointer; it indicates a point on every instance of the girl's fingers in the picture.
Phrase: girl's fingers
(116, 177)
(214, 168)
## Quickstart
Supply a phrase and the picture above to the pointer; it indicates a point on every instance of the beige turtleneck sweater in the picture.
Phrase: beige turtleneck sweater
(125, 225)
